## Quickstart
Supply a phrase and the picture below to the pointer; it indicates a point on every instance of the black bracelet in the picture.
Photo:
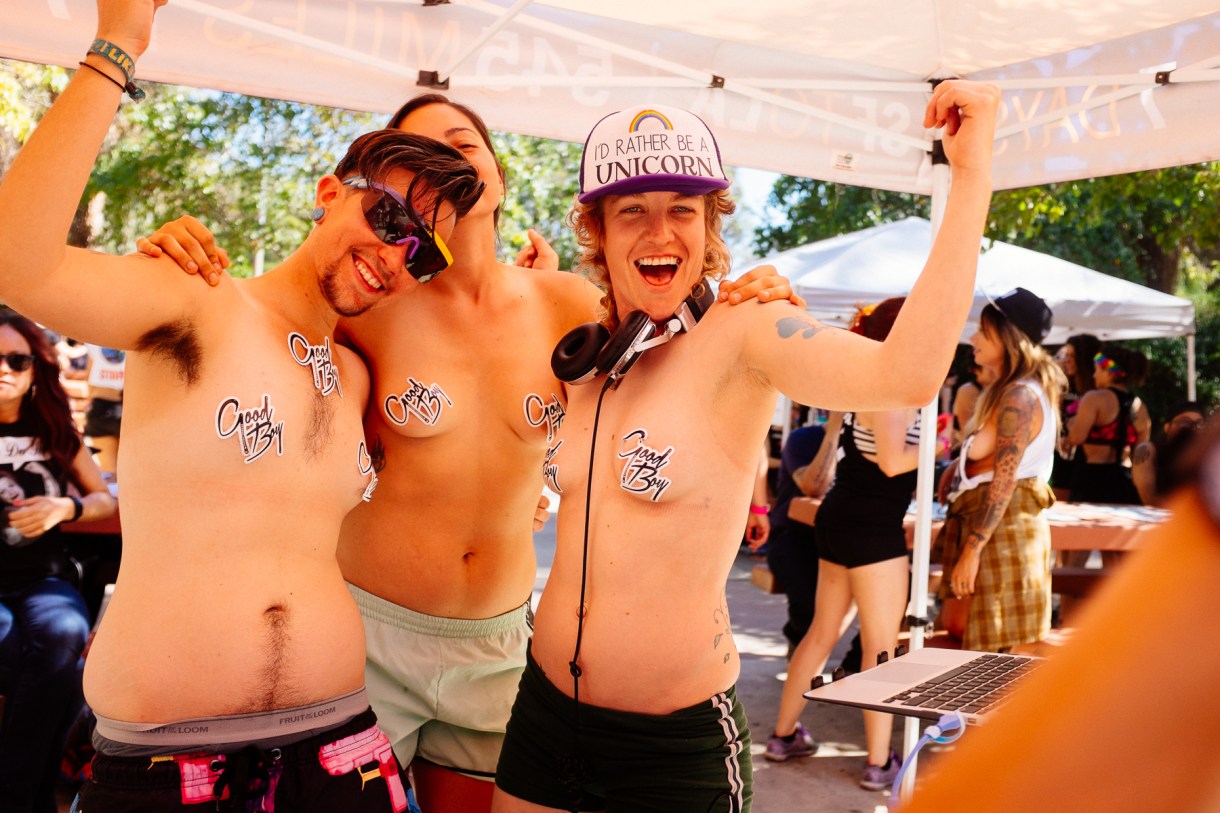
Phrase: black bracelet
(101, 72)
(78, 508)
(137, 94)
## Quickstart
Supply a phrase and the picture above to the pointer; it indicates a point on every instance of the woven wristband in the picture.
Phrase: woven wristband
(117, 56)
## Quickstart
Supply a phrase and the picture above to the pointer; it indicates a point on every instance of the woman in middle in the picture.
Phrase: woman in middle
(863, 561)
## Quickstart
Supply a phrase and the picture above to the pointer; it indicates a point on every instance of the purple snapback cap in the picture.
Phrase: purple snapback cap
(650, 149)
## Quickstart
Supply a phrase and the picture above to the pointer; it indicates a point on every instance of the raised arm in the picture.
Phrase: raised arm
(832, 368)
(93, 297)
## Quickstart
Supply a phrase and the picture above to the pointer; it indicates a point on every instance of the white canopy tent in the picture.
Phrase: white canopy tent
(839, 274)
(833, 90)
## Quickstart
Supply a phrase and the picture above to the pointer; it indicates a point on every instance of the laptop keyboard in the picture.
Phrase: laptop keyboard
(975, 687)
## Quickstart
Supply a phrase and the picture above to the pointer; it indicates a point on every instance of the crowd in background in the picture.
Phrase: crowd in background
(1023, 426)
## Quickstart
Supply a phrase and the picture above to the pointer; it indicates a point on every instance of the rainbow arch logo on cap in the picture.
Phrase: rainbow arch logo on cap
(644, 115)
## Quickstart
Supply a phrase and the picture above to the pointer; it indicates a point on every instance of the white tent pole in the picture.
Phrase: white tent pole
(1190, 366)
(918, 606)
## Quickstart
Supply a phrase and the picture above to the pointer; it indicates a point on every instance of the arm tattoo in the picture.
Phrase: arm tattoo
(1143, 453)
(791, 325)
(1014, 426)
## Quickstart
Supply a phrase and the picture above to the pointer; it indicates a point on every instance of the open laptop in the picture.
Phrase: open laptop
(929, 683)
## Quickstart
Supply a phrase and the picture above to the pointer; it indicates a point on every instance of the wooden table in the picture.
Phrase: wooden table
(1074, 526)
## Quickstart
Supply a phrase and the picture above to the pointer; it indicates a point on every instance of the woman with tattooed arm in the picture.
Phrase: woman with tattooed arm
(994, 535)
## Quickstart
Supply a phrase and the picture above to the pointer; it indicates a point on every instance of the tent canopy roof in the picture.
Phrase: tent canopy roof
(833, 90)
(838, 275)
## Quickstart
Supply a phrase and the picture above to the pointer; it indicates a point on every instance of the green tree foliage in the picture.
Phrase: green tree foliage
(542, 181)
(247, 167)
(1147, 227)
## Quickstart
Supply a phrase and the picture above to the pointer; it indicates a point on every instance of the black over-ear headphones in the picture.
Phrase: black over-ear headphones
(589, 350)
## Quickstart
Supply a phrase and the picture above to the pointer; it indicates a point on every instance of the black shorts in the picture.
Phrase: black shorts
(103, 418)
(857, 547)
(360, 774)
(694, 760)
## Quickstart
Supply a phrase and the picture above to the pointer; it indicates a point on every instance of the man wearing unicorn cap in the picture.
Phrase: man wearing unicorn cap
(627, 701)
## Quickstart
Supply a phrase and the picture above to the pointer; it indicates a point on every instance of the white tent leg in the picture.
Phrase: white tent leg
(1190, 367)
(918, 607)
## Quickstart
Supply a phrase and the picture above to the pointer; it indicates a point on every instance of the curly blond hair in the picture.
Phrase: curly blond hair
(588, 222)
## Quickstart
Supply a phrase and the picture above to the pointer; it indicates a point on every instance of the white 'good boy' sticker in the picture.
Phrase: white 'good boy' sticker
(425, 403)
(319, 359)
(551, 413)
(364, 461)
(641, 472)
(256, 429)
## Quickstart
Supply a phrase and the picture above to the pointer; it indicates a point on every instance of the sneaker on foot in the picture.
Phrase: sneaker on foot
(802, 745)
(878, 777)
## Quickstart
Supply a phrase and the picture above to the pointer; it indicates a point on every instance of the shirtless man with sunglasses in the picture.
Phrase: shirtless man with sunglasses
(230, 663)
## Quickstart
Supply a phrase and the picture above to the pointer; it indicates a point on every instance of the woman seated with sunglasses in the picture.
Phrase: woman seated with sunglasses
(43, 620)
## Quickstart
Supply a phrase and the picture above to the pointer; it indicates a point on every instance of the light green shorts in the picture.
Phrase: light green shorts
(442, 688)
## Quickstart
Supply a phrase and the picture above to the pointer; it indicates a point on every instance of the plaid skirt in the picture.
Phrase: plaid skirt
(1012, 594)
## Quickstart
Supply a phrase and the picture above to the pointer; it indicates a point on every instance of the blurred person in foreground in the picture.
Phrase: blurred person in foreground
(628, 699)
(995, 543)
(1074, 736)
(47, 478)
(230, 662)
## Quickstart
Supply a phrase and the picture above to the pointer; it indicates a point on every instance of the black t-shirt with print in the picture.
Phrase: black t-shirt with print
(26, 471)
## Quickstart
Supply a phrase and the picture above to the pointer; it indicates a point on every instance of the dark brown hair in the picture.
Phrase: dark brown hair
(45, 405)
(1133, 364)
(441, 170)
(1084, 347)
(426, 99)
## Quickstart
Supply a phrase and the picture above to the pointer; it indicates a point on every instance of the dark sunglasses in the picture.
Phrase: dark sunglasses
(396, 223)
(17, 362)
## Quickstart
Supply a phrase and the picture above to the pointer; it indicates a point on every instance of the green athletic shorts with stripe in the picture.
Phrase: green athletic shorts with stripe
(695, 760)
